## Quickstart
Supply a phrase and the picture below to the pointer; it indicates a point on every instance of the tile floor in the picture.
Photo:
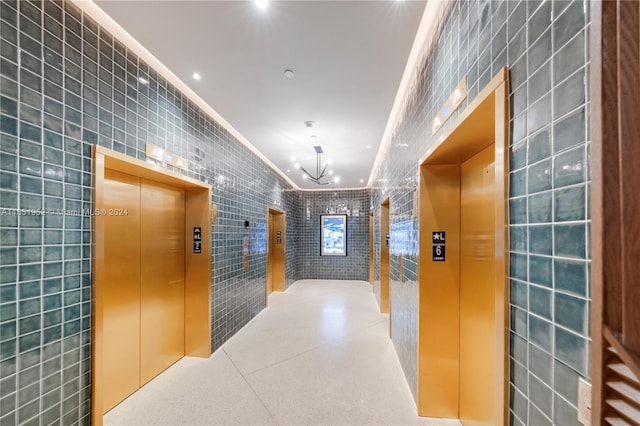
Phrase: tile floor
(319, 354)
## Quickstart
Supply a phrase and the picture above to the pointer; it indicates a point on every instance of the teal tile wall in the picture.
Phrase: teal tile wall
(354, 266)
(65, 85)
(545, 45)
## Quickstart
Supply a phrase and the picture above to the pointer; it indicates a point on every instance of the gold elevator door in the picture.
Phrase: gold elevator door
(276, 256)
(477, 293)
(162, 278)
(121, 317)
(143, 319)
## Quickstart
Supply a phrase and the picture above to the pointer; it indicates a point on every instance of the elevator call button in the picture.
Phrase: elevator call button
(438, 246)
(197, 239)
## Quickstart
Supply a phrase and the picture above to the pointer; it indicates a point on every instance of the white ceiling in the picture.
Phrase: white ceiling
(348, 58)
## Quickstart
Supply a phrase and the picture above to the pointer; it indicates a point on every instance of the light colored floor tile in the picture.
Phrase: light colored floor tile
(194, 392)
(319, 354)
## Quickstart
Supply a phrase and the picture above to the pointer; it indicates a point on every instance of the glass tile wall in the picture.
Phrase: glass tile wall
(354, 266)
(66, 84)
(545, 45)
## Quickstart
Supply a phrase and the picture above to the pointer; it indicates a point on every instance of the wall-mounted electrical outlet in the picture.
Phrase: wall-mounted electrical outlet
(584, 402)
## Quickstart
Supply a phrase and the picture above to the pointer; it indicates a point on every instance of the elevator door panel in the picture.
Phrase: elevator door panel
(162, 277)
(279, 253)
(384, 259)
(121, 317)
(270, 255)
(477, 292)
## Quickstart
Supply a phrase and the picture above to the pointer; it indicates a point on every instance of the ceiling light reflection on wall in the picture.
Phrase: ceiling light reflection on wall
(262, 4)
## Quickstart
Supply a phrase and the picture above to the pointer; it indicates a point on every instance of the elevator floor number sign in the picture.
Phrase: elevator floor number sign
(438, 246)
(197, 239)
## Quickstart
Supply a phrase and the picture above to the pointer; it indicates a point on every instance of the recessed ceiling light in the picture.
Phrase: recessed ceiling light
(262, 4)
(361, 180)
(336, 179)
(288, 170)
(196, 76)
(288, 73)
(368, 146)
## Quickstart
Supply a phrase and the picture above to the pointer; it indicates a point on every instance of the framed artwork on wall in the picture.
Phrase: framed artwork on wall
(333, 235)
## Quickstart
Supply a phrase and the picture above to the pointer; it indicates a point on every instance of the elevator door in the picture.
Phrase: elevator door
(162, 278)
(271, 244)
(384, 259)
(477, 294)
(143, 318)
(276, 256)
(121, 316)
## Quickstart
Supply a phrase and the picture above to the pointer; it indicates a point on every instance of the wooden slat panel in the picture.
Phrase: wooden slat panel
(615, 421)
(629, 392)
(624, 371)
(628, 358)
(626, 410)
(629, 80)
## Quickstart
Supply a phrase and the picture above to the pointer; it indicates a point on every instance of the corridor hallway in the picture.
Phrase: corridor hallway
(318, 354)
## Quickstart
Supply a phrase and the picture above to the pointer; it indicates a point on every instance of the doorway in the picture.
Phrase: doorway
(384, 258)
(151, 274)
(276, 252)
(462, 270)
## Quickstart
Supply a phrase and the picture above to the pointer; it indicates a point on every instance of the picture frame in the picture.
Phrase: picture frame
(333, 235)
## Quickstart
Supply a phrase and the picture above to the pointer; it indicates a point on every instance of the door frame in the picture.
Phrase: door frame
(197, 266)
(438, 289)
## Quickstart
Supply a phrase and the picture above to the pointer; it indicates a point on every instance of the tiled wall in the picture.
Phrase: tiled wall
(354, 266)
(65, 85)
(544, 43)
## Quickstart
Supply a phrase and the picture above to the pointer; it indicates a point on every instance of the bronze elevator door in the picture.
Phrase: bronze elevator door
(143, 319)
(276, 258)
(385, 305)
(162, 278)
(271, 243)
(477, 304)
(121, 317)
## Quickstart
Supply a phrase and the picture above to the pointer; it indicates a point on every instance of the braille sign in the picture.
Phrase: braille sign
(197, 239)
(438, 246)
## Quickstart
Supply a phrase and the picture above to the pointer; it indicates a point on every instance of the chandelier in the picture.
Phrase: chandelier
(321, 169)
